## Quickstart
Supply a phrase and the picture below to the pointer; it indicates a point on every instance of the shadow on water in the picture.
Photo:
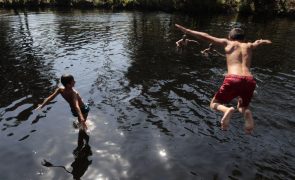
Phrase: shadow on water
(81, 154)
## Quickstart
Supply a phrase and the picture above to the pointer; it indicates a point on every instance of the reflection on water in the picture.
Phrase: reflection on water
(149, 103)
(81, 153)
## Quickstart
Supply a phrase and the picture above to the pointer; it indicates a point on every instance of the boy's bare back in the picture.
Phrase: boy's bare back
(239, 56)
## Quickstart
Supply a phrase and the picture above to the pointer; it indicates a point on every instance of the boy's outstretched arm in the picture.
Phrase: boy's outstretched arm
(178, 43)
(261, 42)
(203, 36)
(218, 53)
(205, 51)
(50, 98)
(193, 41)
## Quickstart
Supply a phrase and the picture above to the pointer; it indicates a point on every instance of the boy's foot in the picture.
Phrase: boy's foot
(249, 122)
(226, 118)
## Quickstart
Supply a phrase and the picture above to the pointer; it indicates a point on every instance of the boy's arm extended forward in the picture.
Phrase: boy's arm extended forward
(218, 53)
(205, 51)
(50, 98)
(260, 42)
(193, 41)
(203, 36)
(178, 43)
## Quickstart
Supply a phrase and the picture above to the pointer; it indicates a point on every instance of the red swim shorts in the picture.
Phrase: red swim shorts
(236, 86)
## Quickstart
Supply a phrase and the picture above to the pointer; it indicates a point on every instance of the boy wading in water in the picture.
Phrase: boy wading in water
(239, 81)
(78, 107)
(184, 41)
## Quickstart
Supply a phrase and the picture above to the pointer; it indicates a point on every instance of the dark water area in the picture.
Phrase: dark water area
(150, 115)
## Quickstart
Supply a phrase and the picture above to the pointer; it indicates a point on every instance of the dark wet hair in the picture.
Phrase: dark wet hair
(236, 34)
(66, 79)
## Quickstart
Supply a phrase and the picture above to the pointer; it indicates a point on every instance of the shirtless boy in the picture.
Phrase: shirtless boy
(184, 42)
(239, 81)
(78, 107)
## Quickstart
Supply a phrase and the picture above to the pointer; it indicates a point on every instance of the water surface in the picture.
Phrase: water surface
(150, 116)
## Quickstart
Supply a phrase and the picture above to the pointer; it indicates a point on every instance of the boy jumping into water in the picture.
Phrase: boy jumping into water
(78, 107)
(239, 81)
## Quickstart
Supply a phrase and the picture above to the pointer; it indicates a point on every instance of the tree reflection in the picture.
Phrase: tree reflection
(22, 67)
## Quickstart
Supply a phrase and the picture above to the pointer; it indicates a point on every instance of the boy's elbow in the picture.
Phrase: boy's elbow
(77, 107)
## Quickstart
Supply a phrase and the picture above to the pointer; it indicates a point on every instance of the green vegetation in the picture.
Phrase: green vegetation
(188, 6)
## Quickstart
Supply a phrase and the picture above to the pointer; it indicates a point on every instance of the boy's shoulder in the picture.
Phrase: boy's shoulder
(240, 43)
(60, 89)
(65, 91)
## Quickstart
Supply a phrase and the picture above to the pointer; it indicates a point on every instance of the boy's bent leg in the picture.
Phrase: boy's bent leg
(228, 111)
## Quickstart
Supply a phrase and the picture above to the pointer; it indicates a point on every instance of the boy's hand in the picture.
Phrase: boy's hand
(178, 26)
(268, 42)
(183, 29)
(84, 125)
(39, 107)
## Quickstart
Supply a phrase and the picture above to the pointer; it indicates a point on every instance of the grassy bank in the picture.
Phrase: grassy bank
(271, 7)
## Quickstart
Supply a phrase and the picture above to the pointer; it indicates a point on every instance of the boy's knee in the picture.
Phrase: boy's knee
(213, 105)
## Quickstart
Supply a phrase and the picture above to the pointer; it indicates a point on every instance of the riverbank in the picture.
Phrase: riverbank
(273, 8)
